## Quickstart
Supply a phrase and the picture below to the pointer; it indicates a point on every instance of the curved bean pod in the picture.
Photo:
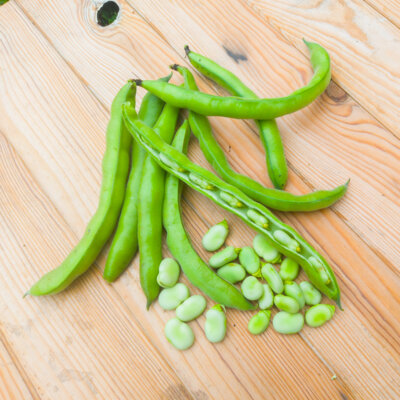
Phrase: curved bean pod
(269, 132)
(125, 242)
(151, 193)
(196, 270)
(115, 172)
(276, 199)
(236, 107)
(156, 146)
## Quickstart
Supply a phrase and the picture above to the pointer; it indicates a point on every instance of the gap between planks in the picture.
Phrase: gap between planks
(85, 84)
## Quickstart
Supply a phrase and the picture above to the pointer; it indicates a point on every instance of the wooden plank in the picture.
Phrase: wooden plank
(12, 384)
(363, 47)
(388, 8)
(242, 364)
(192, 367)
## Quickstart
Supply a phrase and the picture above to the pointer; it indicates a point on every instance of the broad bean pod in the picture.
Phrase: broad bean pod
(115, 172)
(236, 107)
(125, 242)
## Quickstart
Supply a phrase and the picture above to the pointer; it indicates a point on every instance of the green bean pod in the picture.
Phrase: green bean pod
(115, 172)
(125, 242)
(269, 132)
(236, 107)
(276, 199)
(156, 146)
(195, 269)
(151, 193)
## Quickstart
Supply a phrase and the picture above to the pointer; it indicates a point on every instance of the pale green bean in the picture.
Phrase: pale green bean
(292, 289)
(168, 273)
(191, 308)
(312, 295)
(170, 298)
(215, 236)
(271, 275)
(267, 298)
(289, 269)
(250, 260)
(224, 257)
(287, 323)
(252, 288)
(232, 273)
(179, 334)
(286, 303)
(215, 326)
(284, 239)
(319, 314)
(259, 322)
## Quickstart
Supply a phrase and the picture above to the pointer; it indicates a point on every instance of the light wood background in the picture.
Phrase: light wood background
(59, 72)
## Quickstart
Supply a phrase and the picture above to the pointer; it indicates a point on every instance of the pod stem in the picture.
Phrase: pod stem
(187, 49)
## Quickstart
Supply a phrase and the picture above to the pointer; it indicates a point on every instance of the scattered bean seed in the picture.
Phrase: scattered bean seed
(286, 303)
(232, 272)
(289, 269)
(191, 308)
(170, 298)
(215, 237)
(267, 298)
(259, 322)
(319, 314)
(252, 288)
(287, 323)
(250, 260)
(270, 274)
(179, 334)
(292, 289)
(311, 295)
(224, 256)
(168, 273)
(215, 326)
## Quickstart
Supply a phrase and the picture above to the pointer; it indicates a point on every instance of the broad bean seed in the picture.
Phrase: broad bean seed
(319, 314)
(250, 260)
(179, 334)
(287, 323)
(271, 275)
(252, 288)
(170, 298)
(215, 326)
(311, 295)
(267, 298)
(215, 236)
(292, 289)
(191, 308)
(259, 322)
(265, 250)
(224, 256)
(289, 269)
(168, 273)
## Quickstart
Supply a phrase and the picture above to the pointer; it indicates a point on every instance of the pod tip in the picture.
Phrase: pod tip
(174, 67)
(187, 49)
(138, 82)
(26, 294)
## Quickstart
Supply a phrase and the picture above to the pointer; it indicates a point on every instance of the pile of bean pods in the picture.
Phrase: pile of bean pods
(144, 168)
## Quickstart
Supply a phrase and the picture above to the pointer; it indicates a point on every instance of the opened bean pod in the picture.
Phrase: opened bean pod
(156, 146)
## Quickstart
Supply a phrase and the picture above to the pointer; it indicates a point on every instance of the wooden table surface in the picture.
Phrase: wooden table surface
(59, 72)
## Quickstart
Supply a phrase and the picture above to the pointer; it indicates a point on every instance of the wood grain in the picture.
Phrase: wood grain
(98, 340)
(363, 47)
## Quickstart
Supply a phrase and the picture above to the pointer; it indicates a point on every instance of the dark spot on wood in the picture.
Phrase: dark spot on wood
(175, 392)
(343, 396)
(237, 57)
(234, 325)
(336, 93)
(107, 13)
(229, 149)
